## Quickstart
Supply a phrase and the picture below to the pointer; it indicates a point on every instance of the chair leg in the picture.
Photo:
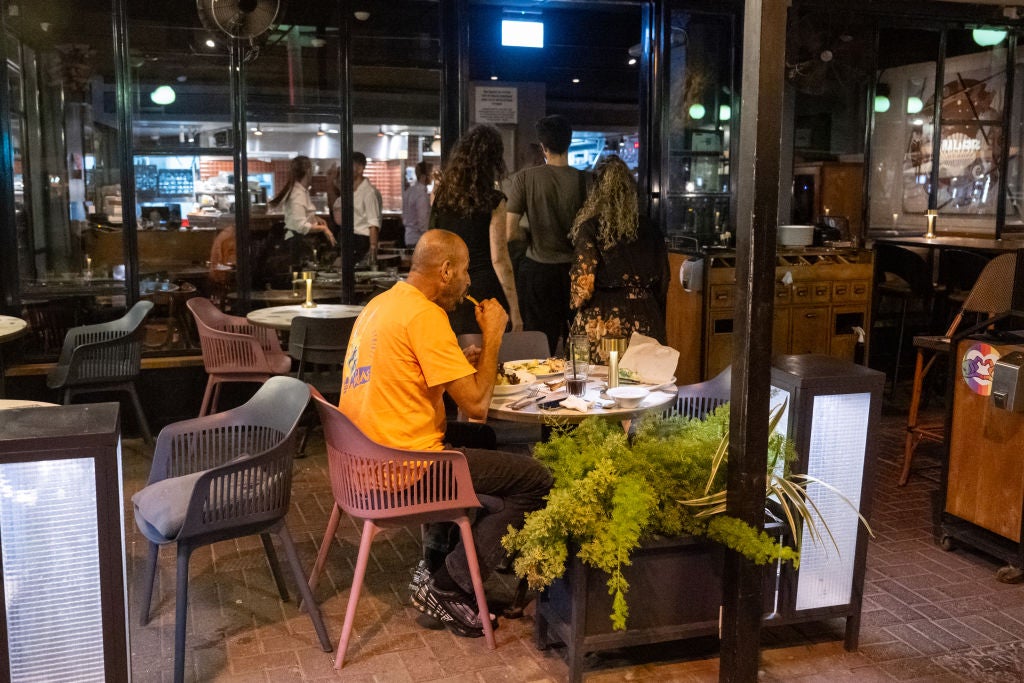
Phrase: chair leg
(300, 580)
(913, 436)
(150, 578)
(365, 541)
(325, 546)
(216, 397)
(181, 612)
(207, 395)
(139, 415)
(478, 583)
(899, 347)
(67, 397)
(275, 566)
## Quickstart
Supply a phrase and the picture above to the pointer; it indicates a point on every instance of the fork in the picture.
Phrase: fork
(534, 392)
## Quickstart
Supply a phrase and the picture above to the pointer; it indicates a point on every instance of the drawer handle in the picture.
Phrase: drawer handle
(841, 290)
(810, 316)
(821, 290)
(860, 289)
(722, 295)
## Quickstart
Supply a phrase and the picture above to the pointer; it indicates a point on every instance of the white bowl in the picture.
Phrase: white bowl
(526, 380)
(796, 235)
(628, 397)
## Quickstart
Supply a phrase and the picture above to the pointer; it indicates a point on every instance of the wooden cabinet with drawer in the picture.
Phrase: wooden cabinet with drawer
(820, 297)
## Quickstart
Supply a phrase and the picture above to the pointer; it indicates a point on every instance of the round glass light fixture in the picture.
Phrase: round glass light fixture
(494, 78)
(632, 61)
(575, 80)
(697, 111)
(987, 37)
(882, 104)
(914, 105)
(163, 95)
(724, 112)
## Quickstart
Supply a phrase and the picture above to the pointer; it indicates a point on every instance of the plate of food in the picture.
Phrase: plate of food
(511, 382)
(541, 368)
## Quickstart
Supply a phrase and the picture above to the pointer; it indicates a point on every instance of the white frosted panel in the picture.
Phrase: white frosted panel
(836, 456)
(50, 545)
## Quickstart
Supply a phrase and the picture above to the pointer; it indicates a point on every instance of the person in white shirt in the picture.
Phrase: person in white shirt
(299, 213)
(416, 206)
(366, 211)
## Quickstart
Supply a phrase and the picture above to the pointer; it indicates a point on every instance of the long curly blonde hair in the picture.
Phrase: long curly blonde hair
(613, 202)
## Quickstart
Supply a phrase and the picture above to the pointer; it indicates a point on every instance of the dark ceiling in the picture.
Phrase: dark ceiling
(395, 53)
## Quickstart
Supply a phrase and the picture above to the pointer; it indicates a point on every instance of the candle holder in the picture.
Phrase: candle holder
(931, 216)
(309, 303)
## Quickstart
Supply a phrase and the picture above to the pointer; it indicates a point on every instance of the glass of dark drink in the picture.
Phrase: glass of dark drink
(577, 364)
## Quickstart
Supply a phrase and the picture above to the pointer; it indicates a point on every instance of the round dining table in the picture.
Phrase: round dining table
(280, 317)
(534, 414)
(11, 328)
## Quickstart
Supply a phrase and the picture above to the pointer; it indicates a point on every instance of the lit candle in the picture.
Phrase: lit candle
(931, 216)
(88, 262)
(826, 210)
(895, 219)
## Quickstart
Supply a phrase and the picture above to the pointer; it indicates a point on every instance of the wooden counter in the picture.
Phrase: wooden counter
(829, 294)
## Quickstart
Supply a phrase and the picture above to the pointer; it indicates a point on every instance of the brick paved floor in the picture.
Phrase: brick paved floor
(929, 615)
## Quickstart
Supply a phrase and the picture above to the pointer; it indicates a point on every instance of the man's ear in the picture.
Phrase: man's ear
(446, 271)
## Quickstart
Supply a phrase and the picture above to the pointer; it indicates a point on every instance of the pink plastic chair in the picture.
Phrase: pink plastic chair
(234, 350)
(388, 487)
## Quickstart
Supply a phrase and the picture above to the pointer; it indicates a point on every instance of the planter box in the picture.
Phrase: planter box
(675, 593)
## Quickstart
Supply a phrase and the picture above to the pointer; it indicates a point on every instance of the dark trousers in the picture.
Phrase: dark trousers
(543, 290)
(520, 483)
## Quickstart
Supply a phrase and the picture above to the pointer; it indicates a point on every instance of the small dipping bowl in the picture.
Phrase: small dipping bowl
(628, 397)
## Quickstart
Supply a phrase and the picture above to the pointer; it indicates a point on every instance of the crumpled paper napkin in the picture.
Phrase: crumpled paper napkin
(575, 403)
(651, 362)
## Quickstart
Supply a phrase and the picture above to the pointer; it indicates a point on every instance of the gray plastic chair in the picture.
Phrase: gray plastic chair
(220, 477)
(514, 345)
(697, 400)
(104, 357)
(319, 345)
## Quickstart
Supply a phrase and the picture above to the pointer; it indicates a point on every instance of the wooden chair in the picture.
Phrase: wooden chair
(387, 487)
(990, 295)
(220, 477)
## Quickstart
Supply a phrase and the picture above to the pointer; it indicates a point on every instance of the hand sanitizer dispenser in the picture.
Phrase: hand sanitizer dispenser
(1007, 380)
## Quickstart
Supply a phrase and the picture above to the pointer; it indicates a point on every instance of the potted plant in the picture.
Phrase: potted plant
(614, 493)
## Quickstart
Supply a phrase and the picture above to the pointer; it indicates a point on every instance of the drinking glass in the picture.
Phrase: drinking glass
(577, 364)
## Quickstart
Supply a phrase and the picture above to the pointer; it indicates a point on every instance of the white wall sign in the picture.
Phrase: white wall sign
(497, 105)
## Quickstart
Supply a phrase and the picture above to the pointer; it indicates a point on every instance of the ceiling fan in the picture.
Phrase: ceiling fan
(825, 54)
(240, 19)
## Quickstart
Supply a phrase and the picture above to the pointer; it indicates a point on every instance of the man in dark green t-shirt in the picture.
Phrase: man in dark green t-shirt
(549, 196)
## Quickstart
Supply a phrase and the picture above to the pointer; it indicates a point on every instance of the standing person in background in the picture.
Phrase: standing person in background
(366, 212)
(468, 203)
(299, 213)
(416, 206)
(549, 196)
(620, 273)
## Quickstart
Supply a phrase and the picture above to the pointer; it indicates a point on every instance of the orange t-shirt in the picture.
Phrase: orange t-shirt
(401, 354)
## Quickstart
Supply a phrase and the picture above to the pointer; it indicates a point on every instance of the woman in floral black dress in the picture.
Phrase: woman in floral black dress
(619, 278)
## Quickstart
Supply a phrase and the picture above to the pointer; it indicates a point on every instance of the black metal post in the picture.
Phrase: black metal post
(650, 95)
(240, 135)
(1004, 143)
(454, 73)
(757, 195)
(346, 142)
(125, 138)
(9, 280)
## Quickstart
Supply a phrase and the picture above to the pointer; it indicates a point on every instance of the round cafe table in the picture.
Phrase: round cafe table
(10, 329)
(533, 414)
(280, 317)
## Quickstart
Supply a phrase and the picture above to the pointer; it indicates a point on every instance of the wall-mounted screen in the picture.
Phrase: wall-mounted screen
(518, 33)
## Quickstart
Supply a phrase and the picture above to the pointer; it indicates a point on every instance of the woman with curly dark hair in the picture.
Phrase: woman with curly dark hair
(468, 202)
(619, 279)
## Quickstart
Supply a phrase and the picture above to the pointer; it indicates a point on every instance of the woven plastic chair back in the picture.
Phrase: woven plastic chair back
(375, 482)
(103, 353)
(322, 341)
(697, 400)
(514, 345)
(246, 454)
(232, 345)
(993, 291)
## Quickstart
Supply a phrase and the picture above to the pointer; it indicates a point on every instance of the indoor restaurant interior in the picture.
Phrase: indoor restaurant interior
(839, 189)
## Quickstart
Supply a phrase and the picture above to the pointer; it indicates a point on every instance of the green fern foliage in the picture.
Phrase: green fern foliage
(611, 493)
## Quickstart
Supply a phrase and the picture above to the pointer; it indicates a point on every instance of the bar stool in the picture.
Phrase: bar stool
(904, 276)
(990, 296)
